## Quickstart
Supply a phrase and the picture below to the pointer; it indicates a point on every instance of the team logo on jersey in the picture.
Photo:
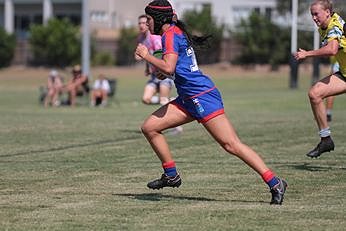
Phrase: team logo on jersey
(191, 53)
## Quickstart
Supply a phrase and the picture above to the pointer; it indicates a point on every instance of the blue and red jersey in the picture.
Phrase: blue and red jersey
(198, 95)
(189, 80)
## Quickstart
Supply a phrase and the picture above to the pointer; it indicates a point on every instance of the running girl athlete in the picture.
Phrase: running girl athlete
(331, 28)
(198, 99)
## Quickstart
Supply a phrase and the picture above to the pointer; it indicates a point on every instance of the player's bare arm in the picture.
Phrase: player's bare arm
(328, 50)
(165, 65)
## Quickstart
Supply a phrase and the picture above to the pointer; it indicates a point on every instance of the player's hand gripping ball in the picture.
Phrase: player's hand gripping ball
(141, 51)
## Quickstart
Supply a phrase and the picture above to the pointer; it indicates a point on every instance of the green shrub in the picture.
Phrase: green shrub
(262, 41)
(202, 23)
(7, 46)
(103, 58)
(56, 44)
(126, 46)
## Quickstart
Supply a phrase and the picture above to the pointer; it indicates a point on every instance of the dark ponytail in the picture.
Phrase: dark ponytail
(194, 40)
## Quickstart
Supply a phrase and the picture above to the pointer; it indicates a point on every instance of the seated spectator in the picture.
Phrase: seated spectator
(100, 91)
(54, 89)
(76, 84)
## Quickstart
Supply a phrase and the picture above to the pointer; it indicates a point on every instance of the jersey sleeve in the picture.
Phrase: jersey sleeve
(334, 33)
(335, 28)
(170, 43)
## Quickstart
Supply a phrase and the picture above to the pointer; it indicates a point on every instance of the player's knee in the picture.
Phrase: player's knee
(151, 128)
(51, 93)
(314, 96)
(148, 130)
(232, 147)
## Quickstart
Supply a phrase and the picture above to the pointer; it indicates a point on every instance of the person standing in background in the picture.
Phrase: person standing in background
(154, 85)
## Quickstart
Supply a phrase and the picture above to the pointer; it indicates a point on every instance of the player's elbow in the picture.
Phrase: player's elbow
(333, 52)
(169, 70)
(332, 47)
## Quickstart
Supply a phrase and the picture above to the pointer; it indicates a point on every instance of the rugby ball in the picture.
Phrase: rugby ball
(158, 54)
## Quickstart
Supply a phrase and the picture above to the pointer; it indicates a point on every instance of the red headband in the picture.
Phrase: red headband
(160, 7)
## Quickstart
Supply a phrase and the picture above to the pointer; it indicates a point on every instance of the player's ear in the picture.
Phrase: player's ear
(329, 12)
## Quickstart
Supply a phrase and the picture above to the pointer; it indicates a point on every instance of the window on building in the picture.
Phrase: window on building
(240, 13)
(71, 11)
(257, 10)
(75, 19)
(268, 13)
(99, 16)
(21, 25)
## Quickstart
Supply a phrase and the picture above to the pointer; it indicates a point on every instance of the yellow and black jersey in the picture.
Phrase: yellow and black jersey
(335, 30)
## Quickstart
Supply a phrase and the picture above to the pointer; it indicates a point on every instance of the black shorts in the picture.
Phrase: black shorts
(340, 76)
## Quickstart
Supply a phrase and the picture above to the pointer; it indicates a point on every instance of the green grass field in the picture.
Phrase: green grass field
(86, 168)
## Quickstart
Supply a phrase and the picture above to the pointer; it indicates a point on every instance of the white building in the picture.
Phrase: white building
(17, 15)
(228, 12)
(108, 16)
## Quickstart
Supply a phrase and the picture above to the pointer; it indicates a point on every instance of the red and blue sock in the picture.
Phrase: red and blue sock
(270, 178)
(169, 168)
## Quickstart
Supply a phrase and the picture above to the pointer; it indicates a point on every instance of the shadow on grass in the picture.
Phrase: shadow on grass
(160, 196)
(315, 168)
(71, 146)
(135, 131)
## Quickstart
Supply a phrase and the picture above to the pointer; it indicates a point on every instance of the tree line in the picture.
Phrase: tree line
(260, 41)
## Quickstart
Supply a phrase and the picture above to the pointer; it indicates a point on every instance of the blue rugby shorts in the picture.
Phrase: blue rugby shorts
(203, 106)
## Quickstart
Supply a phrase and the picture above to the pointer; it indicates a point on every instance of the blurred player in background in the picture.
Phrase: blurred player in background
(331, 28)
(154, 85)
(198, 99)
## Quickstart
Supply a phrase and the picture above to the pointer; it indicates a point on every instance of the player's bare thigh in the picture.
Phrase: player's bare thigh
(167, 116)
(328, 86)
(221, 128)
